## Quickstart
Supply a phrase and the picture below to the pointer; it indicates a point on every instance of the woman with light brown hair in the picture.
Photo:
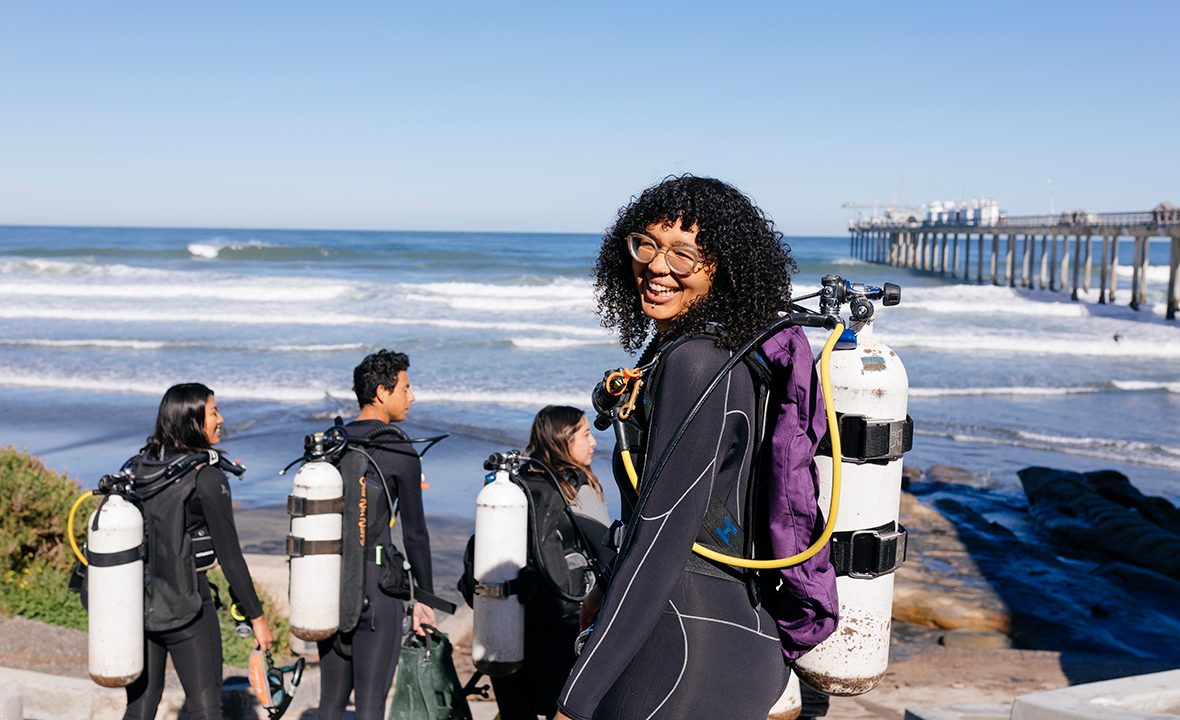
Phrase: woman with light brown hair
(567, 512)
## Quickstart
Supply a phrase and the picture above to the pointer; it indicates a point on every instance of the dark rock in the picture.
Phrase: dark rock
(1067, 509)
(1115, 486)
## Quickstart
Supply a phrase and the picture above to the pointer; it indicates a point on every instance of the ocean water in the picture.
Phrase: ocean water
(95, 323)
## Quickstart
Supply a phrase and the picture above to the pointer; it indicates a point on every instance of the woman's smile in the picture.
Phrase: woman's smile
(665, 295)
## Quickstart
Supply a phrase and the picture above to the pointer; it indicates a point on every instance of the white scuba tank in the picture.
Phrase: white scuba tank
(115, 593)
(314, 544)
(501, 551)
(869, 381)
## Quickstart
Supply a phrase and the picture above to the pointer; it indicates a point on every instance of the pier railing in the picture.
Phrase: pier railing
(934, 247)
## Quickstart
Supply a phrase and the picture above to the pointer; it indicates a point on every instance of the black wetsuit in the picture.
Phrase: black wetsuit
(196, 645)
(678, 637)
(550, 622)
(376, 641)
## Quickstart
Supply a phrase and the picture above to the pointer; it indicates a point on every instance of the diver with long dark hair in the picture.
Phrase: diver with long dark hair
(557, 476)
(180, 619)
(694, 266)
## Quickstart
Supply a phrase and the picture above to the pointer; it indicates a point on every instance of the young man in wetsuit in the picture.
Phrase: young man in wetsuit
(383, 392)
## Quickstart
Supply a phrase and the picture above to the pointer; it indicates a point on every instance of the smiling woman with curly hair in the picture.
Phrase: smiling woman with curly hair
(693, 265)
(748, 264)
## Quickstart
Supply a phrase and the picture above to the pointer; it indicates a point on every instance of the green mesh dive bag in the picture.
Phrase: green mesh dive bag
(427, 687)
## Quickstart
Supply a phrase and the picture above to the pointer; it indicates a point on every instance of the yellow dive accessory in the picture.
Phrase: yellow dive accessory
(70, 526)
(833, 431)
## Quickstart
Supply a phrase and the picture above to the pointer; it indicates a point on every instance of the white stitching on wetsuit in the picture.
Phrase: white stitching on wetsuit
(741, 468)
(682, 496)
(663, 518)
(736, 625)
(683, 663)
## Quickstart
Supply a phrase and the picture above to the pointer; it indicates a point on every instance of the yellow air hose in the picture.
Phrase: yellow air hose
(833, 430)
(70, 526)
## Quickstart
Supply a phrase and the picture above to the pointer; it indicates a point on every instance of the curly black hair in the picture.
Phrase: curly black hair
(380, 368)
(751, 265)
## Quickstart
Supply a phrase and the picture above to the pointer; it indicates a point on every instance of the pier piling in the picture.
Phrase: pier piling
(933, 246)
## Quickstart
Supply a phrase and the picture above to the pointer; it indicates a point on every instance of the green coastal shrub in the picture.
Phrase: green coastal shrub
(35, 556)
(34, 504)
(236, 650)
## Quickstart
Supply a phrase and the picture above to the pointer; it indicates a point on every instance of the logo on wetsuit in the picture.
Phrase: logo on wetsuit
(727, 532)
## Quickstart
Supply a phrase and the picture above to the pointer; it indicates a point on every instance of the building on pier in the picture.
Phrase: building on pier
(941, 240)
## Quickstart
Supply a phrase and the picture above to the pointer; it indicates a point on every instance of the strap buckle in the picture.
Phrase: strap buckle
(864, 439)
(870, 553)
(493, 590)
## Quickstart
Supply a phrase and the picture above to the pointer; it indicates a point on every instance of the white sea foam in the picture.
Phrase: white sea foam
(42, 267)
(210, 249)
(559, 343)
(522, 397)
(309, 318)
(567, 286)
(292, 394)
(314, 348)
(254, 290)
(960, 392)
(563, 294)
(96, 343)
(1138, 453)
(1139, 385)
(1155, 273)
(963, 339)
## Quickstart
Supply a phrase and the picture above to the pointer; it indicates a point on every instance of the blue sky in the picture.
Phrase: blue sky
(549, 116)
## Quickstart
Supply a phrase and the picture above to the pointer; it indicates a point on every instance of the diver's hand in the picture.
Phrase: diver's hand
(561, 716)
(590, 608)
(262, 637)
(423, 615)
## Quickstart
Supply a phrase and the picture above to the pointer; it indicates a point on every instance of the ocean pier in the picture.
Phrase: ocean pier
(942, 242)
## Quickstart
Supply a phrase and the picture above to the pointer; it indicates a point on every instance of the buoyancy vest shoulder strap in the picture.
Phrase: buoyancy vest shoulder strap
(151, 477)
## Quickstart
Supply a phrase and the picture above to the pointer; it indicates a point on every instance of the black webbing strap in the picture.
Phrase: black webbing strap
(298, 547)
(870, 553)
(494, 590)
(302, 507)
(122, 557)
(434, 601)
(704, 566)
(863, 438)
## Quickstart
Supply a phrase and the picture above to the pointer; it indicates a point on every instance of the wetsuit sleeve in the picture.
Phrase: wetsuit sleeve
(413, 518)
(212, 492)
(666, 524)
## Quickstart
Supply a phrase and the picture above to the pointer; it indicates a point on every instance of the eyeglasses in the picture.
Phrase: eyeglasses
(681, 259)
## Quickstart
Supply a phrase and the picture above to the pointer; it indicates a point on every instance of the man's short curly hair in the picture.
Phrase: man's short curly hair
(751, 264)
(380, 368)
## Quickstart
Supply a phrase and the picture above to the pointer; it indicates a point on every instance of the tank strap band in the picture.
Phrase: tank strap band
(298, 547)
(870, 553)
(302, 507)
(122, 557)
(704, 566)
(864, 440)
